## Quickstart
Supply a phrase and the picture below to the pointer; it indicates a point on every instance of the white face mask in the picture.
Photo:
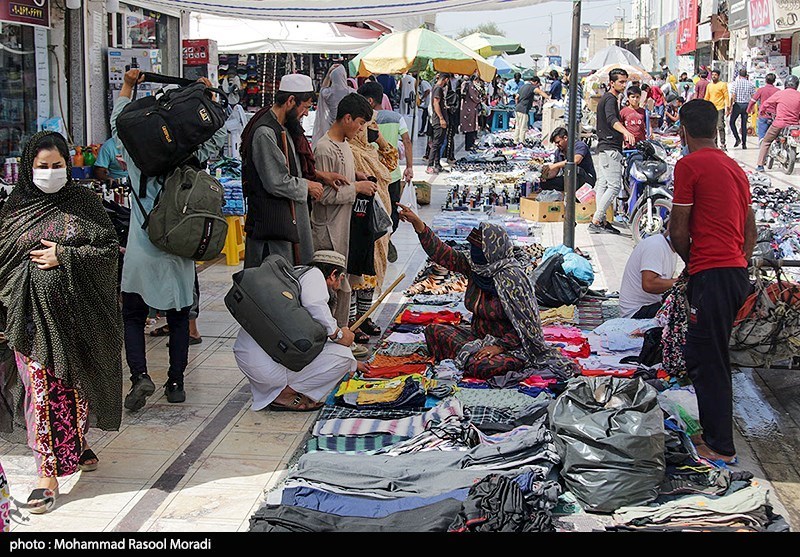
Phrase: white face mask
(50, 180)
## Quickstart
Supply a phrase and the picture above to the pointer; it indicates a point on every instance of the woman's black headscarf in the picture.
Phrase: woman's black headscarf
(67, 318)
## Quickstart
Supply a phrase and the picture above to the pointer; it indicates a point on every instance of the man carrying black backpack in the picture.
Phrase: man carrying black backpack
(152, 277)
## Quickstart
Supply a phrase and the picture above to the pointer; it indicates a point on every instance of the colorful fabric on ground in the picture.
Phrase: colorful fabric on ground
(352, 445)
(563, 314)
(406, 338)
(406, 427)
(399, 350)
(330, 412)
(507, 399)
(426, 318)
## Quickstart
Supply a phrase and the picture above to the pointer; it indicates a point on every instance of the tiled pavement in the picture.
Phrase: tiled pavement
(206, 464)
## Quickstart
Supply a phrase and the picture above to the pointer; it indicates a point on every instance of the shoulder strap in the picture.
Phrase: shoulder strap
(143, 188)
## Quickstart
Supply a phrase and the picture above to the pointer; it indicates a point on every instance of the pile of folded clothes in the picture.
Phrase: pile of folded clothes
(410, 444)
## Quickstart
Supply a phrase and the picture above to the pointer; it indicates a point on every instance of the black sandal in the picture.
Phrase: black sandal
(46, 498)
(361, 337)
(88, 454)
(369, 327)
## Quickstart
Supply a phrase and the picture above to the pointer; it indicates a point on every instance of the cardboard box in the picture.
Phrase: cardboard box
(538, 211)
(584, 212)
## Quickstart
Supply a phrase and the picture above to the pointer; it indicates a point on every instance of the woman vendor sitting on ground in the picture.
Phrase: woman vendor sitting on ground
(506, 332)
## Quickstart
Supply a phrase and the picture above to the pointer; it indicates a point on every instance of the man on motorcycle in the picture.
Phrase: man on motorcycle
(786, 107)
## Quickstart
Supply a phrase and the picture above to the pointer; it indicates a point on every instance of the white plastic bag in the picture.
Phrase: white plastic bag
(409, 197)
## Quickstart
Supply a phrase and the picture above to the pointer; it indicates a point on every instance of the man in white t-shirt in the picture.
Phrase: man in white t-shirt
(648, 274)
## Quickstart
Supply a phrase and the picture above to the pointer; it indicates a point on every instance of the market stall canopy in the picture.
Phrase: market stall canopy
(244, 36)
(611, 55)
(593, 82)
(504, 67)
(333, 10)
(491, 45)
(412, 51)
(550, 67)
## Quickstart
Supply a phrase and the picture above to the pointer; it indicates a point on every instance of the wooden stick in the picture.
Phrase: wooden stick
(376, 303)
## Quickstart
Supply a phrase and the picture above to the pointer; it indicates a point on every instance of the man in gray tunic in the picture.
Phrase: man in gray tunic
(278, 219)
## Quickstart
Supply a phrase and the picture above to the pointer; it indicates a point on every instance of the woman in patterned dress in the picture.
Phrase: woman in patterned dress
(506, 333)
(60, 311)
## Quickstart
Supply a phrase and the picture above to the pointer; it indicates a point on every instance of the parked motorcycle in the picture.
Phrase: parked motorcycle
(784, 149)
(648, 187)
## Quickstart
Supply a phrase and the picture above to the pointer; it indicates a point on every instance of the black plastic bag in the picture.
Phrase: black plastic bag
(609, 433)
(554, 287)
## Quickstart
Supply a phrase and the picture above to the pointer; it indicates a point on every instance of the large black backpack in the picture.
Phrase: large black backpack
(162, 131)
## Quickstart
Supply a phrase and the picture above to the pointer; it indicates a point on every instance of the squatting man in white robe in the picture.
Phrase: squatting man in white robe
(276, 386)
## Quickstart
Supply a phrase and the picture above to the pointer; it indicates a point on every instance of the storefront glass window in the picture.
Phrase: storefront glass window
(145, 29)
(17, 88)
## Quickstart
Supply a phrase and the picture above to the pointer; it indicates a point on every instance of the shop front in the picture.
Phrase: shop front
(24, 72)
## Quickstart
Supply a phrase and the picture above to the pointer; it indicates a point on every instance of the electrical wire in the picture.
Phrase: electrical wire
(52, 50)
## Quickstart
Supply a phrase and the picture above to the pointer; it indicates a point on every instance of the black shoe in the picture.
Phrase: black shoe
(142, 388)
(611, 228)
(735, 145)
(174, 391)
(601, 229)
(744, 146)
(392, 255)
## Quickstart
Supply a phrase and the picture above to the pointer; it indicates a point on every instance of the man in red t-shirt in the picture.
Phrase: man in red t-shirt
(634, 117)
(713, 229)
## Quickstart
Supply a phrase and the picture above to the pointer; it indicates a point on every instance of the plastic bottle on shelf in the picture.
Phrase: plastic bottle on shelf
(7, 172)
(77, 158)
(89, 157)
(14, 170)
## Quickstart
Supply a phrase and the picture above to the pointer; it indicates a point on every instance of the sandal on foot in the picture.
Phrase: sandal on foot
(160, 331)
(83, 466)
(361, 337)
(369, 327)
(300, 403)
(41, 500)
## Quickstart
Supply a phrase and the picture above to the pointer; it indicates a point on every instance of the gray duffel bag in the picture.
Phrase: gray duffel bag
(265, 301)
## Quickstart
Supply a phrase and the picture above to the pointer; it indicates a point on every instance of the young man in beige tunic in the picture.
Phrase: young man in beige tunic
(330, 216)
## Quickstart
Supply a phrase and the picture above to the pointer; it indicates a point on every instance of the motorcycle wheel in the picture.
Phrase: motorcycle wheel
(640, 229)
(791, 156)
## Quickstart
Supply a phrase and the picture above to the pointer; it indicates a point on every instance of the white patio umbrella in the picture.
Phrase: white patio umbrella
(611, 55)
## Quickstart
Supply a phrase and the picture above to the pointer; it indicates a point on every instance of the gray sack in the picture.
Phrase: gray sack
(609, 433)
(265, 301)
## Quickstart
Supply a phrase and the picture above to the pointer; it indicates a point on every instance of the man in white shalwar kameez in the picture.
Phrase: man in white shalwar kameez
(276, 386)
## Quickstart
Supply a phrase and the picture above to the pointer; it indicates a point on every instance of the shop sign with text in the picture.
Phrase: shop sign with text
(687, 27)
(762, 20)
(786, 14)
(32, 12)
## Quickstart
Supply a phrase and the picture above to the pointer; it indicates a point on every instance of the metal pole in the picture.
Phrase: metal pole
(570, 175)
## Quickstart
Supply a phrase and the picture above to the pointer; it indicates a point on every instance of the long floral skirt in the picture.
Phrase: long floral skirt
(56, 419)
